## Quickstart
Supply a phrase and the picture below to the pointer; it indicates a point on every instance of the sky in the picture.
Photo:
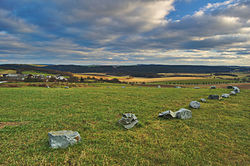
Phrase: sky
(125, 32)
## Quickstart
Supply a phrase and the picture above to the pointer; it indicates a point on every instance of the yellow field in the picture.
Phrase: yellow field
(142, 79)
(7, 71)
(134, 79)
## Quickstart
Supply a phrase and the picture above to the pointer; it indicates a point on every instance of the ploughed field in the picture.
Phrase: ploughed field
(217, 134)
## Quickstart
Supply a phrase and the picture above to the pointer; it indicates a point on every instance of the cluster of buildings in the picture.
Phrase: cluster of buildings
(23, 77)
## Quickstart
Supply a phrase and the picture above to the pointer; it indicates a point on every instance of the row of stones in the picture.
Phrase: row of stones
(64, 138)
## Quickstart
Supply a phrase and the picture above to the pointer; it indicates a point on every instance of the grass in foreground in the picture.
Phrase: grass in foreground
(218, 133)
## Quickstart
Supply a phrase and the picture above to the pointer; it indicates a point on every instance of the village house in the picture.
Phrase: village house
(19, 77)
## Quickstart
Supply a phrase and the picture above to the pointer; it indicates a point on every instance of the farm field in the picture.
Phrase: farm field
(2, 71)
(172, 78)
(195, 81)
(134, 79)
(217, 134)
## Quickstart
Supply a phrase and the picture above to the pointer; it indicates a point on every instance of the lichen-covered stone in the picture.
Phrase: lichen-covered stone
(167, 114)
(194, 104)
(236, 89)
(128, 120)
(203, 100)
(217, 97)
(225, 95)
(232, 93)
(183, 114)
(64, 138)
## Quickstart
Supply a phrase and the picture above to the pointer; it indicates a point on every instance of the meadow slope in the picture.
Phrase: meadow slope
(218, 133)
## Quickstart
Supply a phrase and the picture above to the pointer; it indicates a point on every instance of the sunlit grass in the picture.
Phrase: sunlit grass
(218, 133)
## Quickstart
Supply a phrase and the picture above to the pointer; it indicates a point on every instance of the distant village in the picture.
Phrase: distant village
(32, 77)
(52, 78)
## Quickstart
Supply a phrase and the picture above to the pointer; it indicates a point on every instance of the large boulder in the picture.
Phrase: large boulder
(183, 114)
(128, 120)
(64, 138)
(236, 89)
(194, 104)
(217, 97)
(225, 95)
(167, 114)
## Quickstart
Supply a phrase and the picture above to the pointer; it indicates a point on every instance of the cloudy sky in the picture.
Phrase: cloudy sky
(199, 32)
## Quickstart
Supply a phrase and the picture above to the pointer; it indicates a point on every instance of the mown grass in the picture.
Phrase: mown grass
(218, 133)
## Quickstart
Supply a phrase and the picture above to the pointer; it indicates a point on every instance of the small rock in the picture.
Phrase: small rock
(194, 104)
(203, 100)
(183, 114)
(167, 114)
(217, 97)
(177, 87)
(213, 87)
(123, 86)
(128, 120)
(64, 138)
(232, 93)
(159, 86)
(236, 89)
(225, 95)
(66, 87)
(196, 87)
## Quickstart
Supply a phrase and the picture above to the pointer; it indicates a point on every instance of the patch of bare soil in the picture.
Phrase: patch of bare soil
(3, 124)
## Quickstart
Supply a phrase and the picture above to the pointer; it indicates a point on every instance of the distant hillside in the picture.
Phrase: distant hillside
(133, 70)
(36, 68)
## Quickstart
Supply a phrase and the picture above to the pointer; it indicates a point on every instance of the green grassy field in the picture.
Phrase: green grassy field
(218, 133)
(195, 81)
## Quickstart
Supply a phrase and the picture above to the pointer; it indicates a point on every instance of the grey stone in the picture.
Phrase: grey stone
(167, 114)
(236, 89)
(128, 120)
(66, 87)
(183, 114)
(203, 100)
(232, 93)
(213, 87)
(217, 97)
(194, 104)
(123, 86)
(159, 86)
(225, 95)
(196, 87)
(177, 87)
(64, 138)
